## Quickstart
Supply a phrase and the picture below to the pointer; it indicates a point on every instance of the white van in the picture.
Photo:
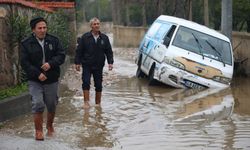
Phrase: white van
(181, 53)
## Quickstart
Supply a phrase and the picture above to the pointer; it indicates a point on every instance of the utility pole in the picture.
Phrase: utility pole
(226, 18)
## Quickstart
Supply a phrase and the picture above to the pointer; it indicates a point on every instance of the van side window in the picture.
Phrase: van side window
(169, 35)
(158, 30)
(153, 29)
(161, 32)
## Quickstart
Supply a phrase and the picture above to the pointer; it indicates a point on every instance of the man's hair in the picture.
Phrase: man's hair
(92, 20)
(35, 20)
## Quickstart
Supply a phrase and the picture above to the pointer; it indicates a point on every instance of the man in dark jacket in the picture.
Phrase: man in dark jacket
(91, 51)
(41, 57)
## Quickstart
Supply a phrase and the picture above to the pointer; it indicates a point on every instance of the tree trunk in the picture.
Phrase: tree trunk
(206, 14)
(116, 12)
(180, 8)
(248, 25)
(127, 23)
(160, 6)
(190, 14)
(144, 17)
(98, 9)
(113, 11)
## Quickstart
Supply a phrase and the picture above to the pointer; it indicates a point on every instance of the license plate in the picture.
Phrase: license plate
(193, 85)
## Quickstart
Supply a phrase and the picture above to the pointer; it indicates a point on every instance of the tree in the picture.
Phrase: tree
(215, 14)
(241, 19)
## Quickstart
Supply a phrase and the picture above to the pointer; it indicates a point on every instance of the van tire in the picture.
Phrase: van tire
(139, 73)
(152, 81)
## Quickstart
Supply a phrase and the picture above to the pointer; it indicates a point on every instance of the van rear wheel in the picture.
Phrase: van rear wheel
(152, 81)
(139, 73)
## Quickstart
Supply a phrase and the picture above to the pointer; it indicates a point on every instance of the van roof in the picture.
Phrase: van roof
(193, 25)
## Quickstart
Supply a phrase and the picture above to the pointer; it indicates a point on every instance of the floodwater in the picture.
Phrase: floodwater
(135, 116)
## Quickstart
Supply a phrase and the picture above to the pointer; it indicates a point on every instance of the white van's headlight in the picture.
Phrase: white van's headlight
(222, 79)
(174, 63)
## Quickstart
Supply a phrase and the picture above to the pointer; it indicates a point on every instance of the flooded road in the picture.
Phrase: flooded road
(135, 116)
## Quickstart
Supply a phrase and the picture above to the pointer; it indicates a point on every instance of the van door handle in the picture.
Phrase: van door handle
(156, 46)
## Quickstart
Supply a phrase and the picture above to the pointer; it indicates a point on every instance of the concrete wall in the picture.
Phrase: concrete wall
(132, 36)
(128, 36)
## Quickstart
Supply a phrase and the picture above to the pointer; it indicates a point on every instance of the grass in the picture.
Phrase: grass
(1, 125)
(13, 91)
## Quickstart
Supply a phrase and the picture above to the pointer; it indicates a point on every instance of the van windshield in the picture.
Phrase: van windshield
(203, 44)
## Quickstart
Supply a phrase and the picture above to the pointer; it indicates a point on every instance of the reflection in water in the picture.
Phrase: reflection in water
(205, 110)
(95, 131)
(196, 107)
(135, 116)
(160, 117)
(241, 92)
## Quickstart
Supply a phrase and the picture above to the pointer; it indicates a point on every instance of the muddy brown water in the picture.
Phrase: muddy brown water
(136, 116)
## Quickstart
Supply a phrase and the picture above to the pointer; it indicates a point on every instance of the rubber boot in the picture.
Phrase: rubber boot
(38, 121)
(86, 99)
(98, 96)
(50, 120)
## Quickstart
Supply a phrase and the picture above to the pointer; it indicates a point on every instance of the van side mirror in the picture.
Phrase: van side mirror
(166, 41)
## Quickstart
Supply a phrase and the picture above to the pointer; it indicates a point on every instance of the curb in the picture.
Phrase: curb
(19, 105)
(15, 106)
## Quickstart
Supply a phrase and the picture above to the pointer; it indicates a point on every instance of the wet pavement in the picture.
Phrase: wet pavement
(136, 116)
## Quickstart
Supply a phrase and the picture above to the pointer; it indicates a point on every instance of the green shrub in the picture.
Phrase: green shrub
(13, 91)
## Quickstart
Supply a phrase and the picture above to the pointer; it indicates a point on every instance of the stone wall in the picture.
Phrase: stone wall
(241, 48)
(7, 69)
(9, 56)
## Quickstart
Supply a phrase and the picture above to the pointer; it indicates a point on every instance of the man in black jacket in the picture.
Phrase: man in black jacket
(41, 57)
(91, 51)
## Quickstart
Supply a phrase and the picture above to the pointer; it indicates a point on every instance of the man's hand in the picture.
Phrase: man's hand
(77, 67)
(110, 66)
(42, 77)
(45, 67)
